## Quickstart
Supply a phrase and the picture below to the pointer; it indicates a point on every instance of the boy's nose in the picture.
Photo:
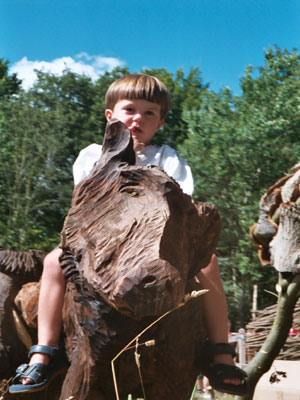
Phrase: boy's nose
(137, 116)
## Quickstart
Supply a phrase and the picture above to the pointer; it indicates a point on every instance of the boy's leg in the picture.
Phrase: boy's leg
(215, 311)
(51, 300)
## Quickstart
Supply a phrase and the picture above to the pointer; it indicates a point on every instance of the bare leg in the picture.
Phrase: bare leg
(215, 310)
(206, 385)
(51, 300)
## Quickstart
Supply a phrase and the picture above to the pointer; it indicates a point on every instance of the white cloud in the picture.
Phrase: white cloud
(82, 63)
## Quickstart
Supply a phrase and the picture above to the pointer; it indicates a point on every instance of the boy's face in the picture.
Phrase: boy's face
(142, 117)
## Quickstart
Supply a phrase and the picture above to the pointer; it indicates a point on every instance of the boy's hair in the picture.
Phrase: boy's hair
(139, 87)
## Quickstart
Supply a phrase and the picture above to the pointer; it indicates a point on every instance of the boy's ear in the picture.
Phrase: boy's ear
(108, 114)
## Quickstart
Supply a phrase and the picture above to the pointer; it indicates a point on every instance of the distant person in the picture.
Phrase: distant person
(204, 390)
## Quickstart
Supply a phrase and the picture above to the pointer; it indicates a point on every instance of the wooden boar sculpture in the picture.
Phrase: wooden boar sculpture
(132, 243)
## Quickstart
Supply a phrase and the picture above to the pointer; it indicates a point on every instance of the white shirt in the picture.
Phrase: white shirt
(161, 156)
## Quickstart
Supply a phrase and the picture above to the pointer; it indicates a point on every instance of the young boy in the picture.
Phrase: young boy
(141, 102)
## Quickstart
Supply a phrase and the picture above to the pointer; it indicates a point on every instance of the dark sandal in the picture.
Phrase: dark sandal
(40, 374)
(216, 373)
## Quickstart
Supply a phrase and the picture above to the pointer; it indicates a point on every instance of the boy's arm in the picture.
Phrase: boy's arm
(86, 161)
(176, 167)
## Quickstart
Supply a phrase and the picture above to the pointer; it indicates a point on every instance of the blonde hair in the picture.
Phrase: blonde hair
(139, 87)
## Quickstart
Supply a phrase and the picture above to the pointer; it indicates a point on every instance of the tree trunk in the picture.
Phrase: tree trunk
(289, 288)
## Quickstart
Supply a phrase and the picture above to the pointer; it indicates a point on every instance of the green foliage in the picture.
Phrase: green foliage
(42, 132)
(8, 84)
(28, 169)
(237, 148)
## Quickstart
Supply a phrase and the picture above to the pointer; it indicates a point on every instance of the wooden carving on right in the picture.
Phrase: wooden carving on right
(277, 232)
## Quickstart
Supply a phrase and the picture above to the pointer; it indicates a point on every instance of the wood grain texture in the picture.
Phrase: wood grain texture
(16, 269)
(274, 205)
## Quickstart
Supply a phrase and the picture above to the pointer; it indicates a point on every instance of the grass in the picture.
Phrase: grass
(218, 396)
(223, 396)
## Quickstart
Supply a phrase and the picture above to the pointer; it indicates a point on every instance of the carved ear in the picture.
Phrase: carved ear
(27, 265)
(118, 143)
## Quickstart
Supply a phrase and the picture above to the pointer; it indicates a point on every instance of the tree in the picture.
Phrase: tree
(28, 153)
(98, 107)
(186, 94)
(237, 147)
(8, 84)
(42, 131)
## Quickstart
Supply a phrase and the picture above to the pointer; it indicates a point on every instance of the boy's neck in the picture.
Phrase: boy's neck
(139, 146)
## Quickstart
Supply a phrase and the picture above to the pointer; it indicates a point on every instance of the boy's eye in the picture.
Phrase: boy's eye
(129, 109)
(149, 112)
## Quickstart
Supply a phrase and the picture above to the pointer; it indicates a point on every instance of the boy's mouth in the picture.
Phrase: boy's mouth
(135, 130)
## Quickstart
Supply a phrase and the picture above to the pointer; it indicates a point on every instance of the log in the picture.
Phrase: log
(16, 269)
(132, 243)
(27, 302)
(12, 349)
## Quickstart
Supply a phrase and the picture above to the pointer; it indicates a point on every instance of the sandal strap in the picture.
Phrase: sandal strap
(50, 351)
(36, 372)
(225, 371)
(222, 348)
(19, 371)
(21, 368)
(219, 372)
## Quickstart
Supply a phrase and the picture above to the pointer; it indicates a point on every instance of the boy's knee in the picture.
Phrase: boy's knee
(51, 261)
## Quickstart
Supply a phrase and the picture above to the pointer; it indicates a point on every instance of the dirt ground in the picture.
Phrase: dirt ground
(287, 388)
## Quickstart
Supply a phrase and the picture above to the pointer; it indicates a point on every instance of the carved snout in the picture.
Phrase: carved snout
(149, 291)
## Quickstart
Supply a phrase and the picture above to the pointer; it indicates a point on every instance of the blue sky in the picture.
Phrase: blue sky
(222, 37)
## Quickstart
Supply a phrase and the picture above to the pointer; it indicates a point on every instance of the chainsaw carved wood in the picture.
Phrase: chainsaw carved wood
(132, 243)
(16, 269)
(277, 232)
